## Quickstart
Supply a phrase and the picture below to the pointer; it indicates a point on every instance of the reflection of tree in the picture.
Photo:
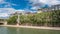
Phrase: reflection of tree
(11, 30)
(18, 32)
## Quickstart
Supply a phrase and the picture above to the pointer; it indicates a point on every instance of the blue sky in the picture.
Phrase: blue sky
(10, 6)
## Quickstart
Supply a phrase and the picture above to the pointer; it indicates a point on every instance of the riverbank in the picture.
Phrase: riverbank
(35, 27)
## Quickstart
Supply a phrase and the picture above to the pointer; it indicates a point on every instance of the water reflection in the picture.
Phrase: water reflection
(3, 30)
(17, 31)
(13, 30)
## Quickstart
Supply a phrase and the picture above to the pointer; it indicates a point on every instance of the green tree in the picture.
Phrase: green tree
(12, 20)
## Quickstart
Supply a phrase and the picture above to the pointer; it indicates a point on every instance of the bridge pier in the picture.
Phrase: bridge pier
(5, 23)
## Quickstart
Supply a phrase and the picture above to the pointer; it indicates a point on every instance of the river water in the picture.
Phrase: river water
(14, 30)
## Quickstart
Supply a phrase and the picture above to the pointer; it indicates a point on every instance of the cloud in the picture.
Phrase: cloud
(6, 4)
(4, 15)
(49, 2)
(34, 8)
(41, 3)
(7, 10)
(2, 1)
(54, 2)
(20, 10)
(9, 5)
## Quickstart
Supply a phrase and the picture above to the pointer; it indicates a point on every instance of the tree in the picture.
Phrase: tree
(12, 20)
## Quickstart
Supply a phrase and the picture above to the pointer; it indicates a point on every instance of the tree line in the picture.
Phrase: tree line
(50, 18)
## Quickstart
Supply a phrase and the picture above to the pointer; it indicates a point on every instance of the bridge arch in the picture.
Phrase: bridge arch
(3, 21)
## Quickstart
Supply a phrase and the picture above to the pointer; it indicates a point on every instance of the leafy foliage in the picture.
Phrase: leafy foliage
(51, 18)
(12, 20)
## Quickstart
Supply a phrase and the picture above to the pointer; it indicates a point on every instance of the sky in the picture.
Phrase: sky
(10, 6)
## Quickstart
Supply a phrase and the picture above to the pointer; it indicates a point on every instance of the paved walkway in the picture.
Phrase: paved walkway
(35, 27)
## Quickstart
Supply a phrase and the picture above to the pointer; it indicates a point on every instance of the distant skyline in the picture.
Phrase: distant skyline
(24, 5)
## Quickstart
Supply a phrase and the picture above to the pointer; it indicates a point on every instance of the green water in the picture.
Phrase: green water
(12, 30)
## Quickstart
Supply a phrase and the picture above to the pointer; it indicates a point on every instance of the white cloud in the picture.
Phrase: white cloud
(42, 3)
(7, 10)
(1, 1)
(49, 2)
(4, 15)
(14, 4)
(4, 12)
(7, 4)
(20, 10)
(35, 8)
(54, 2)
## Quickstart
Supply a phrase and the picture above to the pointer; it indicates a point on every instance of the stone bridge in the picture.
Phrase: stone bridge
(3, 22)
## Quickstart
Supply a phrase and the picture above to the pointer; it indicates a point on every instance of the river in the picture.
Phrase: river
(15, 30)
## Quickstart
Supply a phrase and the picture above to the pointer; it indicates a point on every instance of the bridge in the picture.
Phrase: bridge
(3, 21)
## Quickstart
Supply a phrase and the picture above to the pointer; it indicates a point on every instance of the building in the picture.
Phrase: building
(52, 8)
(39, 11)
